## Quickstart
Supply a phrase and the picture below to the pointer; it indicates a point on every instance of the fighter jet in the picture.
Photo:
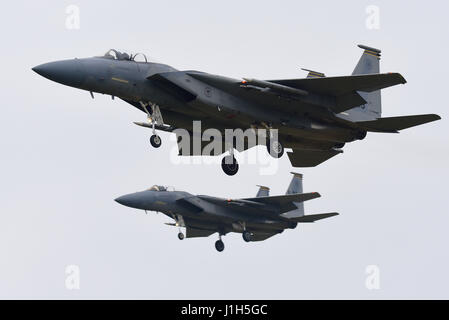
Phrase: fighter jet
(256, 218)
(314, 116)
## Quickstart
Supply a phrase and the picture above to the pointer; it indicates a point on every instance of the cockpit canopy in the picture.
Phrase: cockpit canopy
(158, 188)
(118, 55)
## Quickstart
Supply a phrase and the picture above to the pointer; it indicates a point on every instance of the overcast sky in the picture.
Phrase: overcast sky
(65, 157)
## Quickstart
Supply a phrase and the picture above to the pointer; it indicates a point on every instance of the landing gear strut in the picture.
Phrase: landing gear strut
(154, 117)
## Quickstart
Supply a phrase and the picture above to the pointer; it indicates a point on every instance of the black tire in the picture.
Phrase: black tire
(361, 135)
(339, 145)
(275, 148)
(230, 165)
(246, 236)
(181, 236)
(155, 141)
(219, 245)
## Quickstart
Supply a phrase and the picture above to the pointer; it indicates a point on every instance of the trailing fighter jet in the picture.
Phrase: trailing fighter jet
(256, 218)
(314, 116)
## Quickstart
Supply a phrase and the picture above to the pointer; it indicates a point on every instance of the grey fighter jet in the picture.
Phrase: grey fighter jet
(314, 116)
(256, 218)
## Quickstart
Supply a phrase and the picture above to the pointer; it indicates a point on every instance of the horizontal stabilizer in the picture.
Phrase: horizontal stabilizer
(393, 124)
(310, 158)
(314, 217)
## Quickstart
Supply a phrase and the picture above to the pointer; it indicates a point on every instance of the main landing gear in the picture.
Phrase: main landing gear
(180, 235)
(230, 165)
(275, 148)
(246, 235)
(219, 244)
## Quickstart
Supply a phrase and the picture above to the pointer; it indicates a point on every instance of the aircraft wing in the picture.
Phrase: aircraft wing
(310, 158)
(249, 206)
(283, 203)
(338, 86)
(343, 89)
(270, 206)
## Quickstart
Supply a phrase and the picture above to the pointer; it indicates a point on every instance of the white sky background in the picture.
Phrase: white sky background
(65, 157)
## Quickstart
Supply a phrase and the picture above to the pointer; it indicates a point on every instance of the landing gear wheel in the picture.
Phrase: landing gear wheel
(219, 245)
(246, 236)
(275, 148)
(155, 141)
(361, 135)
(230, 165)
(181, 236)
(339, 145)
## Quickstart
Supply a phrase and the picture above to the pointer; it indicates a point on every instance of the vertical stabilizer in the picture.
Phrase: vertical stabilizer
(295, 187)
(263, 191)
(369, 63)
(313, 74)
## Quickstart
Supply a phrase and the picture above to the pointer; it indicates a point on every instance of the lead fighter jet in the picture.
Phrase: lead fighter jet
(256, 218)
(314, 116)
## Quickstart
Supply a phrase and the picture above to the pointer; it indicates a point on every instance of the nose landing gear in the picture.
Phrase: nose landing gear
(155, 141)
(154, 117)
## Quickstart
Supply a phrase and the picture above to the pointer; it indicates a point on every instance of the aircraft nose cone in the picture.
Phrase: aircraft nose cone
(133, 200)
(67, 72)
(124, 200)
